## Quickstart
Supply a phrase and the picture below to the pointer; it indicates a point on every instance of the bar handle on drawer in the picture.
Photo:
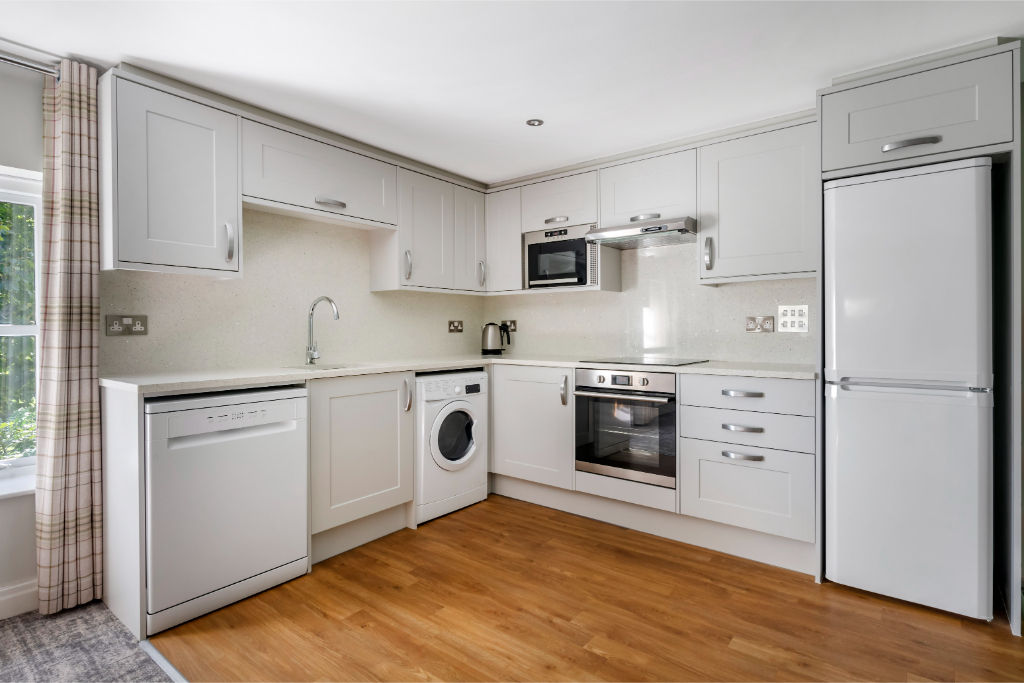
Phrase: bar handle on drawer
(736, 393)
(742, 428)
(555, 219)
(644, 217)
(911, 142)
(742, 456)
(330, 202)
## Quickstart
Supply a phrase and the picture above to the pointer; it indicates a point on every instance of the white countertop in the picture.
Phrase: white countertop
(181, 382)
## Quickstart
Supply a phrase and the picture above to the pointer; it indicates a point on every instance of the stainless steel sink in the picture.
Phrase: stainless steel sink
(322, 366)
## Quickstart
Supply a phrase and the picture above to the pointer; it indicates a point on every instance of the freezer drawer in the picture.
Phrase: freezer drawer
(954, 107)
(785, 432)
(908, 494)
(767, 395)
(755, 488)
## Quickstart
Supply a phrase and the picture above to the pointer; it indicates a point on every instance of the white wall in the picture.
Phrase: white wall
(662, 310)
(260, 320)
(21, 146)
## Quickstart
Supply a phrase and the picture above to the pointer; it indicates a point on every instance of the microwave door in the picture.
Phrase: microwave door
(563, 262)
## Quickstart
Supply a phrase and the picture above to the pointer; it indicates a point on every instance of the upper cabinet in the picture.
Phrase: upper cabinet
(504, 241)
(294, 171)
(170, 185)
(963, 105)
(426, 230)
(760, 206)
(558, 203)
(470, 244)
(659, 187)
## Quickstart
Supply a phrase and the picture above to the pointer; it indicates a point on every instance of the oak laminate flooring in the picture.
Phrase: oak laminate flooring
(507, 590)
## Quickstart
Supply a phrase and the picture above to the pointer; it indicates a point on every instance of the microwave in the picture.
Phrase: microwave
(560, 257)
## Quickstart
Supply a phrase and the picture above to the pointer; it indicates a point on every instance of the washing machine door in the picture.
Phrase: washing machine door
(453, 436)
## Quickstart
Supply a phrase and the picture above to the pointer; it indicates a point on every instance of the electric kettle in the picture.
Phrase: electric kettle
(491, 342)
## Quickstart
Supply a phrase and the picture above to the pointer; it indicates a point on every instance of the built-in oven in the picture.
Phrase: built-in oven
(559, 257)
(626, 425)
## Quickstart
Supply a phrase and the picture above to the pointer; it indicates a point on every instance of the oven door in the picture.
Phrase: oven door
(557, 263)
(628, 435)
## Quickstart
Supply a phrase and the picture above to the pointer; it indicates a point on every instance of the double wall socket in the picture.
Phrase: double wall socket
(121, 325)
(455, 326)
(794, 319)
(760, 323)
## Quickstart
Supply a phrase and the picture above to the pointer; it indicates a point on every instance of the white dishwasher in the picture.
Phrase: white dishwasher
(226, 499)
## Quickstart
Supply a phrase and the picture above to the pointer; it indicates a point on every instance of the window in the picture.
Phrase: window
(20, 210)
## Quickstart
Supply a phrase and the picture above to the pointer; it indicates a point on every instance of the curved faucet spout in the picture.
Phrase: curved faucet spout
(312, 352)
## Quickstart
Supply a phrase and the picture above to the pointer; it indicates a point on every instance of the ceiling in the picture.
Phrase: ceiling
(452, 83)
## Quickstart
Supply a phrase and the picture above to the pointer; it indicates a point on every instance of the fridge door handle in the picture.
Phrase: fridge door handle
(848, 385)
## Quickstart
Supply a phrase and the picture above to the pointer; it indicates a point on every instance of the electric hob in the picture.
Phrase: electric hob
(647, 360)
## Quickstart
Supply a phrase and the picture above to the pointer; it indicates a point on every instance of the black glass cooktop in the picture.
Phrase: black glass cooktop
(647, 360)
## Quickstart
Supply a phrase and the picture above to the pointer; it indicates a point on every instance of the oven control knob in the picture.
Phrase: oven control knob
(644, 381)
(600, 379)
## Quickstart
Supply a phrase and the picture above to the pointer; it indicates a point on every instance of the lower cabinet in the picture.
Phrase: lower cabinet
(361, 446)
(532, 426)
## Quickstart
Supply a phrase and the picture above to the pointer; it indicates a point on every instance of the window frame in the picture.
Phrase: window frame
(20, 186)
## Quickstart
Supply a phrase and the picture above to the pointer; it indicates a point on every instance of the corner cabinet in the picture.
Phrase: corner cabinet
(760, 206)
(469, 258)
(532, 427)
(504, 212)
(170, 182)
(360, 446)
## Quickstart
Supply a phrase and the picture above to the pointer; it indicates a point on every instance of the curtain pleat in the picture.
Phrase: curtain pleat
(69, 494)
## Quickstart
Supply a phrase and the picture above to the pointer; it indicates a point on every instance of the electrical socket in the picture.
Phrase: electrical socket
(123, 325)
(455, 326)
(760, 323)
(794, 318)
(511, 325)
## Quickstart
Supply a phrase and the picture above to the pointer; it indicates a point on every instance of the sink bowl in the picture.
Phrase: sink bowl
(322, 366)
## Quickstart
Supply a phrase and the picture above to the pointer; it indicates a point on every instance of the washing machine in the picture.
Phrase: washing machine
(451, 442)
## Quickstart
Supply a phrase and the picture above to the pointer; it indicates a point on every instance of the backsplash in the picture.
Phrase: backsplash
(198, 323)
(662, 310)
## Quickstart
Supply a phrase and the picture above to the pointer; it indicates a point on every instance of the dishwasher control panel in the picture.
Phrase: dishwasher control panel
(221, 418)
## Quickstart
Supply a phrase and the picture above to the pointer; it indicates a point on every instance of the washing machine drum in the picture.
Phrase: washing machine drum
(453, 436)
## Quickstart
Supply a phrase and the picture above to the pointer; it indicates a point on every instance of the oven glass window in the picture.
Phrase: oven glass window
(628, 438)
(562, 262)
(455, 436)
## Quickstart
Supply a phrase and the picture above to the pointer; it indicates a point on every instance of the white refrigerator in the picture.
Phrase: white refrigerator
(908, 371)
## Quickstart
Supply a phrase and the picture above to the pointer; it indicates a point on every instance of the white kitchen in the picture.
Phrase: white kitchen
(511, 340)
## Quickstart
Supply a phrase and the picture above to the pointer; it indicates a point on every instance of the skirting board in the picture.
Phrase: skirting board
(775, 550)
(334, 541)
(18, 598)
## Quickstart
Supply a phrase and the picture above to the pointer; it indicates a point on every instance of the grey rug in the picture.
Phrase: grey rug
(86, 643)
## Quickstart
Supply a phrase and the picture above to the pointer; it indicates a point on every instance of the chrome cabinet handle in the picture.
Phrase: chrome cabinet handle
(623, 397)
(644, 217)
(743, 428)
(330, 202)
(911, 142)
(564, 391)
(707, 253)
(230, 230)
(482, 272)
(555, 219)
(408, 395)
(408, 264)
(736, 393)
(742, 456)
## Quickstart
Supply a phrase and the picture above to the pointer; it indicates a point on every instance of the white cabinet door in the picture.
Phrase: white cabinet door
(504, 241)
(660, 187)
(361, 446)
(426, 227)
(470, 244)
(176, 177)
(532, 427)
(558, 203)
(760, 205)
(288, 168)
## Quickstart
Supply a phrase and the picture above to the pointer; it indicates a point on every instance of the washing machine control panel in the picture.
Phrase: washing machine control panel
(439, 387)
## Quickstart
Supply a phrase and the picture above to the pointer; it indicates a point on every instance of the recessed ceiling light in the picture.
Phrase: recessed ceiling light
(535, 122)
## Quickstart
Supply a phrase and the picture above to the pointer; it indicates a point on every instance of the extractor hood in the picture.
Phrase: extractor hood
(650, 233)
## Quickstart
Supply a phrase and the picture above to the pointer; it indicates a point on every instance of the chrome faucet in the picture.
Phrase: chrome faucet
(312, 352)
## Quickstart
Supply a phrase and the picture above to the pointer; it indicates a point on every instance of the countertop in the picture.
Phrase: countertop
(182, 382)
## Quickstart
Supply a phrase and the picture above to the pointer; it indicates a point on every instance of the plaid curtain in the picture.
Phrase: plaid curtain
(69, 515)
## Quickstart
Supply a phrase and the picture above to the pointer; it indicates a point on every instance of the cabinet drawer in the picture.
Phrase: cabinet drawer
(755, 488)
(290, 169)
(558, 203)
(769, 430)
(766, 395)
(660, 187)
(954, 107)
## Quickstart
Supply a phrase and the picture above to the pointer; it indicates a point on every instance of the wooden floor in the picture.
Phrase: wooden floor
(506, 590)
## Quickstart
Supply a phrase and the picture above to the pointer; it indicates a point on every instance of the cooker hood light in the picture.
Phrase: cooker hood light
(649, 233)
